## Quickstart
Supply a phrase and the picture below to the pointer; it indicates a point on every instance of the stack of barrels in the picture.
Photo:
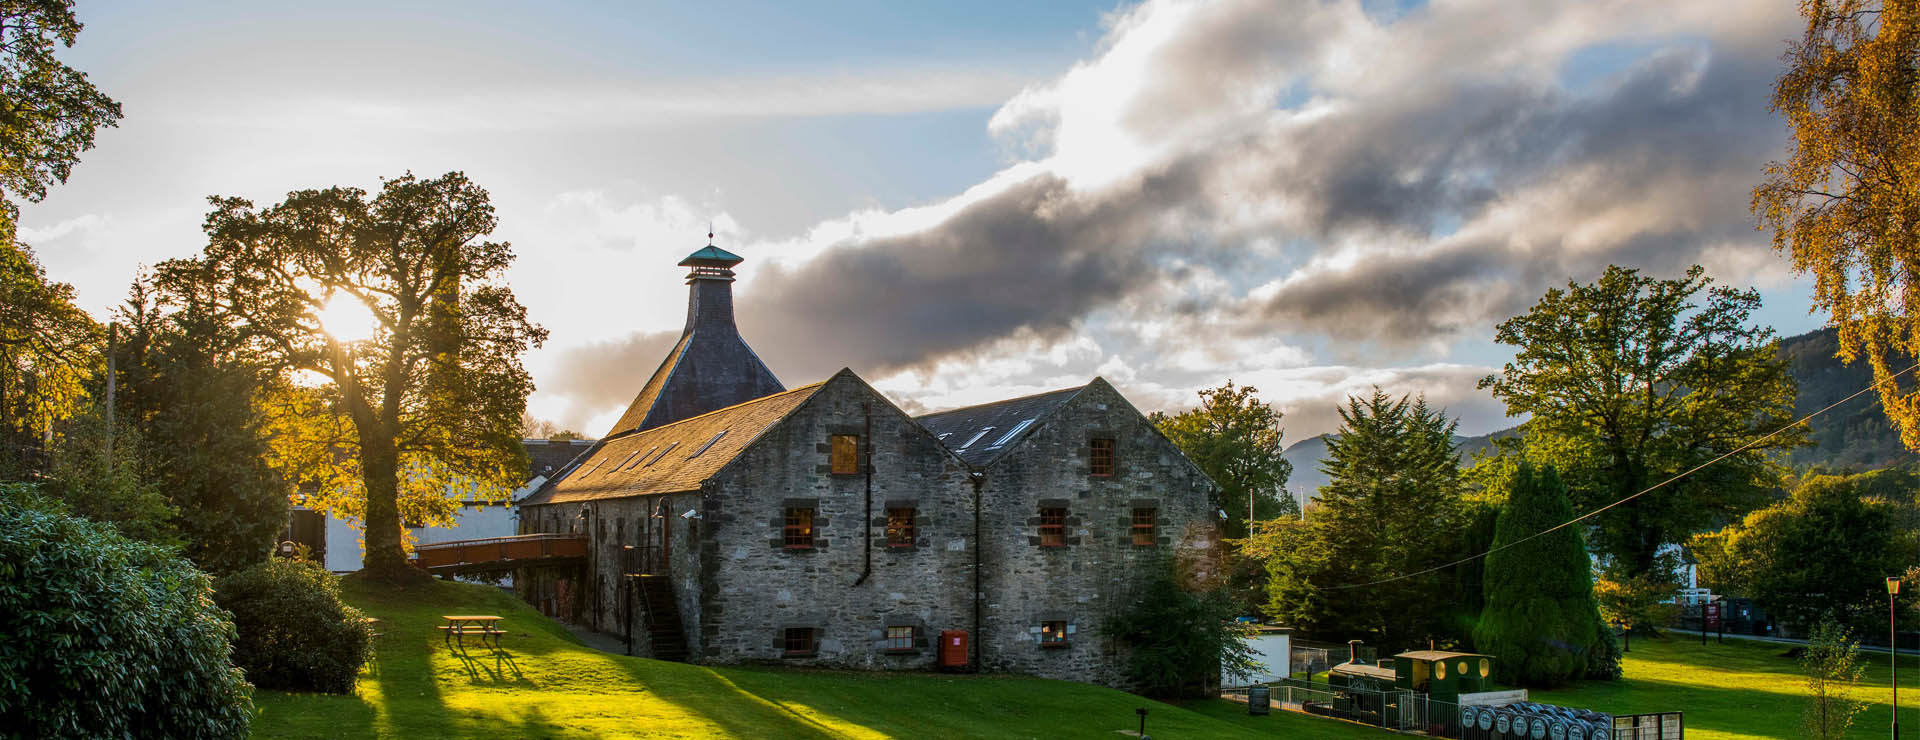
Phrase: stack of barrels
(1533, 721)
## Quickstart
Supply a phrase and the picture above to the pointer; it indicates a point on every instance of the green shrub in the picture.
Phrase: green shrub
(1178, 637)
(295, 633)
(1540, 621)
(105, 636)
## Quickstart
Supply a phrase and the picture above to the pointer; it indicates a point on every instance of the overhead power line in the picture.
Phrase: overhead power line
(1650, 489)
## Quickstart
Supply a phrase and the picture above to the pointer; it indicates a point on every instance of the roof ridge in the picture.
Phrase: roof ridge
(748, 402)
(957, 409)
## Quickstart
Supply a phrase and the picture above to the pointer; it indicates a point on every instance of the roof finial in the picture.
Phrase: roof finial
(709, 233)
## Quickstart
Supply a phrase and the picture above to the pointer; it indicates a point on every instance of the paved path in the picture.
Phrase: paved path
(1777, 640)
(600, 641)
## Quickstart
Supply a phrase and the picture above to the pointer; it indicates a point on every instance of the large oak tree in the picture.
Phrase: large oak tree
(1631, 380)
(1846, 202)
(48, 110)
(430, 401)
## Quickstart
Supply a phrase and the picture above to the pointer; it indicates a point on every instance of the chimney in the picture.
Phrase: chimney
(1353, 651)
(710, 297)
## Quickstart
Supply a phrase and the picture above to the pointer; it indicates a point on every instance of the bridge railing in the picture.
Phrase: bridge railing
(491, 549)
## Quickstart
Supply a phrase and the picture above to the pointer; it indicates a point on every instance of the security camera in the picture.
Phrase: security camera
(1223, 513)
(691, 514)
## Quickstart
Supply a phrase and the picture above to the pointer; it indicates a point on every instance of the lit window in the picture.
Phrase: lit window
(1053, 633)
(1053, 527)
(797, 641)
(899, 638)
(900, 531)
(799, 531)
(1102, 458)
(846, 454)
(1143, 533)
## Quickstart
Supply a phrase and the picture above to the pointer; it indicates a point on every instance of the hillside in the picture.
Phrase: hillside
(1853, 437)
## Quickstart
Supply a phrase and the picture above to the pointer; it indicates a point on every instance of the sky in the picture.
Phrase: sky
(974, 201)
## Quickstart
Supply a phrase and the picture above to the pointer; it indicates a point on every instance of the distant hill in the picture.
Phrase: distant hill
(1854, 437)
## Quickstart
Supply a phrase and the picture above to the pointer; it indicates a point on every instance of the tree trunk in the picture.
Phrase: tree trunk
(379, 471)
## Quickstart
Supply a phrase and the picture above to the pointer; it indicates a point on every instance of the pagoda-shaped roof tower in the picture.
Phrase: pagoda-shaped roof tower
(711, 367)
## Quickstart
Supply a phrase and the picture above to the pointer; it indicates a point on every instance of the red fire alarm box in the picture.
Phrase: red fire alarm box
(953, 649)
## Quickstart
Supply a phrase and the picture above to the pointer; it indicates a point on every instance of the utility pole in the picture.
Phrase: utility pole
(113, 332)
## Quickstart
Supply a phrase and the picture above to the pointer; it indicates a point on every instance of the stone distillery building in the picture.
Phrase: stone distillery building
(731, 519)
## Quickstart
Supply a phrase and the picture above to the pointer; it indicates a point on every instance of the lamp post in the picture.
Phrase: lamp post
(1893, 651)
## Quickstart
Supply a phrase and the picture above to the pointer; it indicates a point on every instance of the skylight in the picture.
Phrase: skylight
(623, 463)
(1015, 432)
(976, 437)
(655, 448)
(663, 453)
(709, 444)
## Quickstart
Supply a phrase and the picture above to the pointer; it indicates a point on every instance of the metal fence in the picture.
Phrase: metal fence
(1660, 726)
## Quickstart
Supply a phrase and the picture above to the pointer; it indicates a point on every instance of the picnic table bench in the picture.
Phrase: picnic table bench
(458, 626)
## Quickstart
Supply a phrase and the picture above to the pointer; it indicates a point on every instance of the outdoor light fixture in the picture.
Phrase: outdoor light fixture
(1893, 650)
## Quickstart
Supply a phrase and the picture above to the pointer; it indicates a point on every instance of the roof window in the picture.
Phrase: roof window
(703, 448)
(1008, 437)
(976, 437)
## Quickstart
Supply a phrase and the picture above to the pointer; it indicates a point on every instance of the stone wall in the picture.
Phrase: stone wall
(1098, 571)
(740, 587)
(755, 586)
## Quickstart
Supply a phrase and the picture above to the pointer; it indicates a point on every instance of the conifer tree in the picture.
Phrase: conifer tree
(1540, 622)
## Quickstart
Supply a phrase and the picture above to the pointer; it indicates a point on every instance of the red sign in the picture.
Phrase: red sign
(1713, 616)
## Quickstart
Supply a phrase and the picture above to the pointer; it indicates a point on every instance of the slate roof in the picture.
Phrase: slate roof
(978, 434)
(672, 458)
(548, 456)
(711, 367)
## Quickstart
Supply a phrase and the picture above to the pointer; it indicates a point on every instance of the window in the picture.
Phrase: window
(846, 454)
(663, 453)
(797, 641)
(1008, 437)
(799, 532)
(976, 437)
(1053, 633)
(709, 444)
(900, 527)
(899, 639)
(1143, 526)
(1102, 458)
(1053, 527)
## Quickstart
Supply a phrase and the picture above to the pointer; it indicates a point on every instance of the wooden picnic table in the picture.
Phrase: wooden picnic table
(458, 626)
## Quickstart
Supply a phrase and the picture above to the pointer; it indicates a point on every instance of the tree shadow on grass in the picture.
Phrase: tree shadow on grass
(491, 665)
(705, 693)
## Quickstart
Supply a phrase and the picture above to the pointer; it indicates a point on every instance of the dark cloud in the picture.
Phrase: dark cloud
(1034, 257)
(596, 377)
(1460, 196)
(1685, 151)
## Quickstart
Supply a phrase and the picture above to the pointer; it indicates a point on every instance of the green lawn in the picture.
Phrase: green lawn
(545, 684)
(1742, 689)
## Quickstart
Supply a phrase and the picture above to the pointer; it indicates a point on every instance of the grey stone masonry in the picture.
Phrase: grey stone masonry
(847, 584)
(1098, 570)
(742, 579)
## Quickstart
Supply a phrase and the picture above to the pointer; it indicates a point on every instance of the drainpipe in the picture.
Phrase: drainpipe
(979, 479)
(866, 468)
